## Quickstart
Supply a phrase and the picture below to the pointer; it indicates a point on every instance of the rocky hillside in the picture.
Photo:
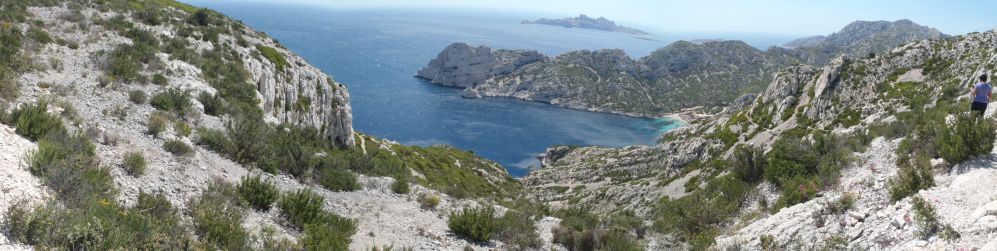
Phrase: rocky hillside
(680, 75)
(860, 38)
(872, 153)
(132, 125)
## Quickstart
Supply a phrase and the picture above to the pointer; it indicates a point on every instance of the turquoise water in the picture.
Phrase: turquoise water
(377, 52)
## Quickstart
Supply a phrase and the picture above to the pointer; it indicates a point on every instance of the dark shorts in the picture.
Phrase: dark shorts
(979, 107)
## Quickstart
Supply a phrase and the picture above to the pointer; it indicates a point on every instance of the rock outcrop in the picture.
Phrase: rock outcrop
(461, 65)
(302, 95)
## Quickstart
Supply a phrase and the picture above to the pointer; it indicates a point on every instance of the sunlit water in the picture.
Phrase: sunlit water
(377, 52)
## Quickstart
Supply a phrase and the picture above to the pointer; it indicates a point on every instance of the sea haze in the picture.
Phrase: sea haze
(377, 52)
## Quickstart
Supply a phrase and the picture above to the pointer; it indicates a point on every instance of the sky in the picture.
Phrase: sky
(796, 17)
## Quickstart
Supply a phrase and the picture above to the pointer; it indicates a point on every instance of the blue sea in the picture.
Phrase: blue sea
(376, 52)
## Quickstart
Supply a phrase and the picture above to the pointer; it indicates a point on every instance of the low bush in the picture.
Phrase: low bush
(302, 207)
(429, 200)
(971, 136)
(325, 236)
(338, 180)
(181, 128)
(174, 100)
(400, 186)
(748, 163)
(912, 176)
(159, 79)
(273, 55)
(156, 205)
(517, 229)
(137, 97)
(213, 139)
(258, 193)
(156, 124)
(33, 121)
(928, 222)
(218, 218)
(474, 224)
(696, 216)
(134, 163)
(10, 89)
(213, 104)
(177, 147)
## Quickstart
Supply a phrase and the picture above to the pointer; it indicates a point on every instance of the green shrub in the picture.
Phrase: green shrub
(33, 121)
(213, 104)
(175, 100)
(338, 180)
(159, 79)
(273, 55)
(156, 205)
(748, 163)
(156, 124)
(725, 135)
(324, 236)
(213, 139)
(126, 61)
(302, 207)
(970, 136)
(911, 178)
(67, 164)
(516, 229)
(137, 97)
(696, 216)
(429, 200)
(40, 36)
(218, 218)
(260, 194)
(10, 89)
(400, 186)
(181, 128)
(177, 147)
(248, 139)
(474, 224)
(134, 163)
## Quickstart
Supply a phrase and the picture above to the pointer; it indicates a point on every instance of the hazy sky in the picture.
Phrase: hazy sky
(801, 17)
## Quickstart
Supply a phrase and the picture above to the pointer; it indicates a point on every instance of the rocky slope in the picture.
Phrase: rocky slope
(66, 55)
(860, 38)
(680, 75)
(856, 99)
(585, 22)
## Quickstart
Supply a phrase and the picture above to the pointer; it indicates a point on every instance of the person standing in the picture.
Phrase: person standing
(981, 95)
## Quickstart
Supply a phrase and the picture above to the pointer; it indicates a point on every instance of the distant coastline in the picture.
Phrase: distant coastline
(586, 22)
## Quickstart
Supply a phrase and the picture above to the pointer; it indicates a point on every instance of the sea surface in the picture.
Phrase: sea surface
(376, 52)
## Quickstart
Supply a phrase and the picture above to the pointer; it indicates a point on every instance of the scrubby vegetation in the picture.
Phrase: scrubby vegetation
(88, 218)
(218, 218)
(137, 97)
(134, 163)
(173, 100)
(323, 230)
(581, 230)
(928, 222)
(156, 124)
(474, 224)
(177, 147)
(273, 55)
(258, 193)
(338, 180)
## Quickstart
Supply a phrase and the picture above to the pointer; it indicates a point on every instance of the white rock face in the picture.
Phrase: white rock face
(461, 65)
(301, 94)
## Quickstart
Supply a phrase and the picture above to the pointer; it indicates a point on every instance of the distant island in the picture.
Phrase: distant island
(585, 22)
